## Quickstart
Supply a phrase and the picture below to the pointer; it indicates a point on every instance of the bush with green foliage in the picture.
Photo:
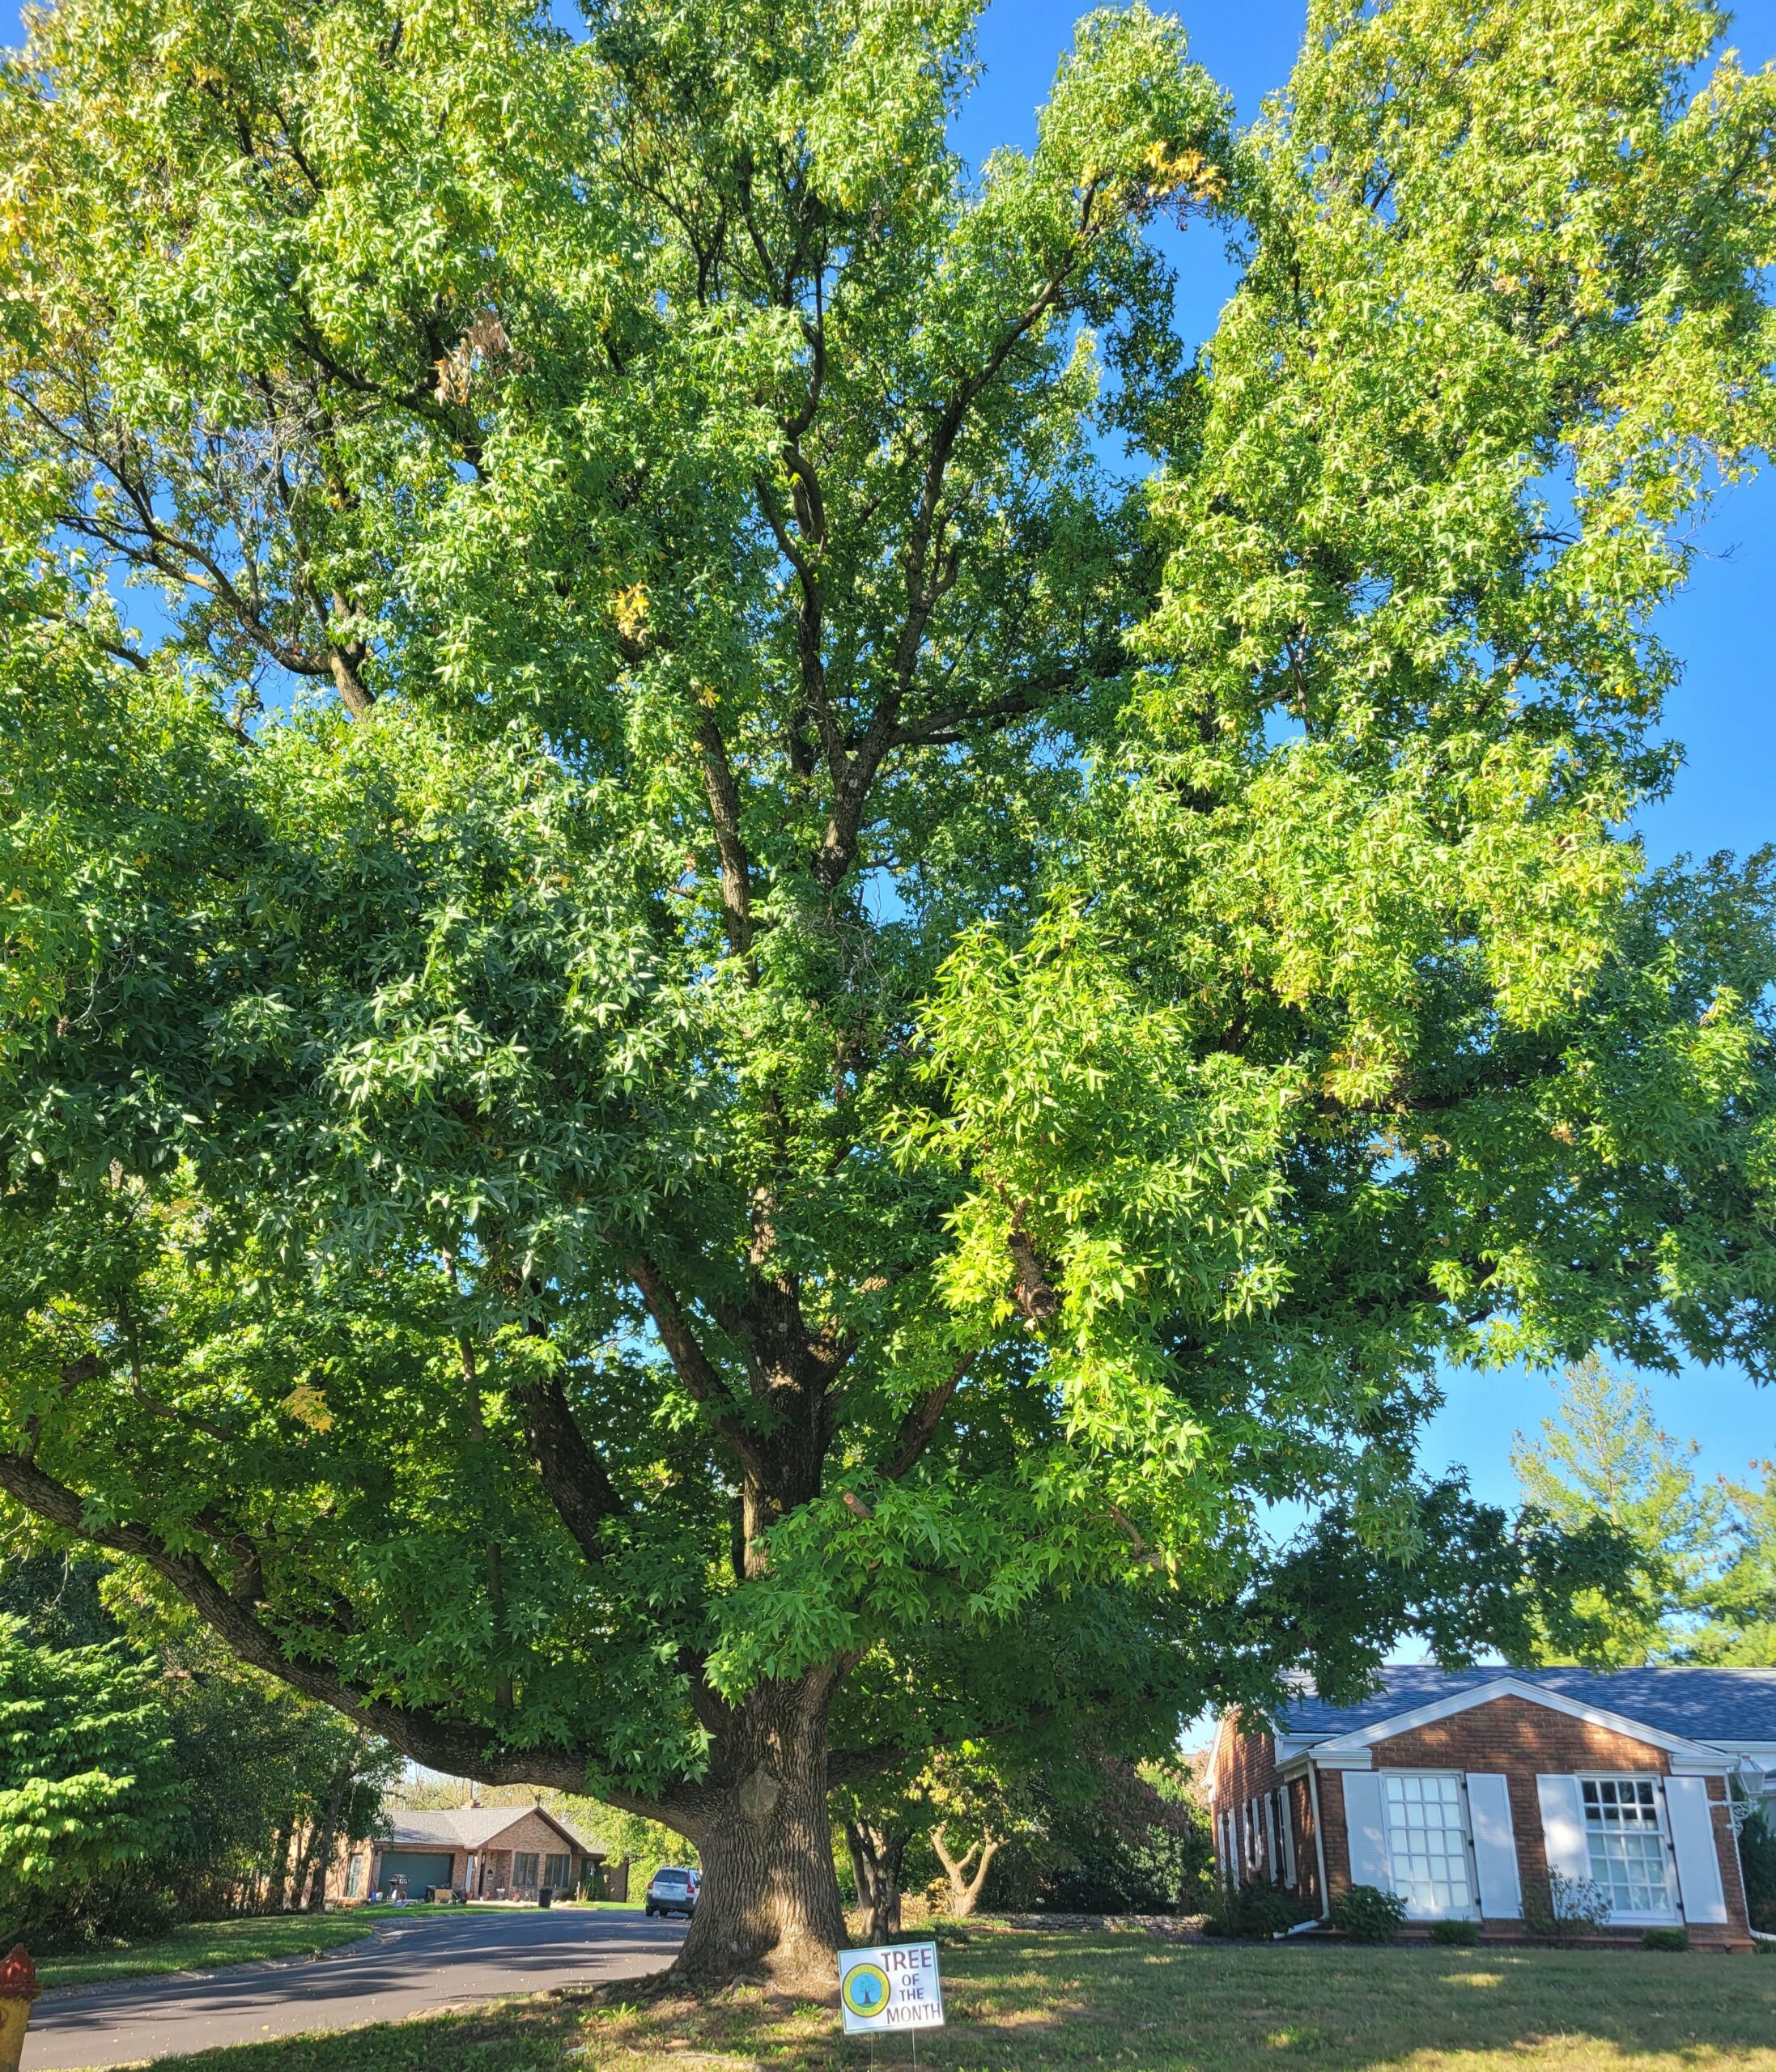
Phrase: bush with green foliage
(1757, 1857)
(88, 1790)
(1367, 1914)
(265, 1782)
(1564, 1908)
(1256, 1912)
(1665, 1939)
(1142, 1845)
(1462, 1934)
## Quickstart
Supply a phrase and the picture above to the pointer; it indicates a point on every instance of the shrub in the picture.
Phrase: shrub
(1463, 1933)
(1568, 1908)
(1367, 1914)
(1757, 1853)
(1665, 1939)
(1254, 1913)
(87, 1791)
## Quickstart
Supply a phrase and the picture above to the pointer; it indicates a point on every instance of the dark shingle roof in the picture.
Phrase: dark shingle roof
(1730, 1705)
(468, 1826)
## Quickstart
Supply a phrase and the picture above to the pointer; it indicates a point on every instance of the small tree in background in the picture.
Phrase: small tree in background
(268, 1783)
(1604, 1458)
(90, 1794)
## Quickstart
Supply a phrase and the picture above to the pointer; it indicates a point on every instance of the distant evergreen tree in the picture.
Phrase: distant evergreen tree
(1741, 1600)
(1604, 1457)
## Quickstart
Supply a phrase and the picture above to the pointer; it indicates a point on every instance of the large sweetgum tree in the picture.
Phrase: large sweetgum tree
(753, 965)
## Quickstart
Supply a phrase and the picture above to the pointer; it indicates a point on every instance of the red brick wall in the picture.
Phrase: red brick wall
(1245, 1763)
(1522, 1740)
(1332, 1812)
(1245, 1768)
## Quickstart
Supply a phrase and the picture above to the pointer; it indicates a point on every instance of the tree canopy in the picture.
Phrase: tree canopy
(716, 1038)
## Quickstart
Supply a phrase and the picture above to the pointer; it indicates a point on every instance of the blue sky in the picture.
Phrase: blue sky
(1726, 798)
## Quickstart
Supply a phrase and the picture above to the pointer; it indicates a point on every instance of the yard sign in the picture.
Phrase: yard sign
(893, 1986)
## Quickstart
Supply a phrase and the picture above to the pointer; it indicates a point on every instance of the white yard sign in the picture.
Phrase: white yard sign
(892, 1986)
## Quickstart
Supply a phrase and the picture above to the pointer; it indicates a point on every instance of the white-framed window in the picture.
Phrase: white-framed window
(1286, 1836)
(1428, 1844)
(1625, 1833)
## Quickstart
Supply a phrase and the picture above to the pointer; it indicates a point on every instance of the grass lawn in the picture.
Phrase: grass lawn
(1018, 2002)
(203, 1944)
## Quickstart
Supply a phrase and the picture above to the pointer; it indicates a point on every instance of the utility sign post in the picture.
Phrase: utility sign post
(893, 1986)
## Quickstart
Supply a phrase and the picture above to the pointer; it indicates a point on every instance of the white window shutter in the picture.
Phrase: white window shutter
(1366, 1827)
(1563, 1825)
(1692, 1844)
(1495, 1846)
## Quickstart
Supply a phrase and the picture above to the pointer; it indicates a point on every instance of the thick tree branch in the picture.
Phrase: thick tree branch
(574, 1479)
(723, 796)
(919, 1424)
(703, 1380)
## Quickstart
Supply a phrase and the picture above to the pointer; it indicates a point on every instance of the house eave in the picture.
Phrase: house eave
(1692, 1758)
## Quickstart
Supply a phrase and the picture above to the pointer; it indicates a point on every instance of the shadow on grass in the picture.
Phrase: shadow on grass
(1016, 2003)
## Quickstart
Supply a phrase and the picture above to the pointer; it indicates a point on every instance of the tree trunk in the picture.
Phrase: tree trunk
(877, 1855)
(964, 1892)
(280, 1864)
(769, 1899)
(308, 1833)
(329, 1835)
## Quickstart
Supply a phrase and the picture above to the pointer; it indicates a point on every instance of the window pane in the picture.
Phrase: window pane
(524, 1868)
(1427, 1840)
(555, 1871)
(1627, 1844)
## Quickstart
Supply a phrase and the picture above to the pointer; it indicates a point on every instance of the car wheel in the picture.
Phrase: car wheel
(650, 1913)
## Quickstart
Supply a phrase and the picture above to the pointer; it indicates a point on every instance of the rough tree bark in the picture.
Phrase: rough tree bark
(877, 1855)
(769, 1896)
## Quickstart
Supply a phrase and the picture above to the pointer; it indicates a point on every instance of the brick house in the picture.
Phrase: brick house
(1461, 1790)
(487, 1852)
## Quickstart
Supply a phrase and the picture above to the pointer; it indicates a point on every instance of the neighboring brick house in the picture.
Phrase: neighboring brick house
(1461, 1790)
(487, 1852)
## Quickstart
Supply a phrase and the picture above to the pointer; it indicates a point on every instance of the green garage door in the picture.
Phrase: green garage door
(419, 1868)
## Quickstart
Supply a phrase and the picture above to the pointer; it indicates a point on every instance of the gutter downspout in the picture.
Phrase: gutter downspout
(1319, 1838)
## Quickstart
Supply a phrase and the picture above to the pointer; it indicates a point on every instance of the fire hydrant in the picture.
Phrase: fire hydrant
(19, 1988)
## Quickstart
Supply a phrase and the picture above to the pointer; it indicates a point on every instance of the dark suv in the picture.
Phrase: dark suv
(672, 1891)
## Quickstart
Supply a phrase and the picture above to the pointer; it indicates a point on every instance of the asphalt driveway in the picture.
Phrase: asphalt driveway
(404, 1969)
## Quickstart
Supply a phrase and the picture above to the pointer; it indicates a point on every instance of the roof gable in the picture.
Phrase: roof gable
(1730, 1709)
(1508, 1685)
